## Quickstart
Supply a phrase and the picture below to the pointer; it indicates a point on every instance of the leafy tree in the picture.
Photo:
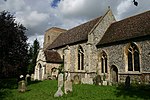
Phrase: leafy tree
(33, 52)
(13, 46)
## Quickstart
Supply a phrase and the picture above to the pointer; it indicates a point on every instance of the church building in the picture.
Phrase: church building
(102, 46)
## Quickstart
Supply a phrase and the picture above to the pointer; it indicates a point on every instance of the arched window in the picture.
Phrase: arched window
(104, 62)
(80, 58)
(133, 58)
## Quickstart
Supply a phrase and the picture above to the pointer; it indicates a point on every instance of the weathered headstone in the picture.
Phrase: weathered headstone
(97, 80)
(76, 79)
(28, 78)
(22, 84)
(60, 80)
(60, 85)
(104, 82)
(32, 77)
(67, 84)
(127, 82)
(59, 92)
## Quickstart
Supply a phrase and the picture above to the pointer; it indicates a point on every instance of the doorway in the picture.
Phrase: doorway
(114, 74)
(40, 71)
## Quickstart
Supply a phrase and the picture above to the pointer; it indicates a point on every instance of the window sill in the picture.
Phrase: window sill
(130, 73)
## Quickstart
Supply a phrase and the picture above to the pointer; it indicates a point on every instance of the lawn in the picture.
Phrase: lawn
(45, 90)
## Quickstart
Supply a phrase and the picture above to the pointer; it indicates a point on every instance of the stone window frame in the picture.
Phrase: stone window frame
(130, 49)
(104, 62)
(80, 58)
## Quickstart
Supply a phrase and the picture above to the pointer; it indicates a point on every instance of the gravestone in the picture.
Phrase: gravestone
(32, 77)
(60, 80)
(59, 92)
(127, 82)
(22, 84)
(97, 80)
(28, 78)
(60, 85)
(67, 84)
(76, 79)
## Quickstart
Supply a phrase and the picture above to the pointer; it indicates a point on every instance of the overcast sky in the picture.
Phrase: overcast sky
(39, 15)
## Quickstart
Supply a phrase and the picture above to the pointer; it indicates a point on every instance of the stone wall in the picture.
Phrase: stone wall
(70, 53)
(71, 59)
(40, 66)
(51, 35)
(95, 36)
(49, 67)
(117, 56)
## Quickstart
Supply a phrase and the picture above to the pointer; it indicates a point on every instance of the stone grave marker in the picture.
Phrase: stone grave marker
(28, 78)
(127, 82)
(76, 79)
(22, 84)
(32, 77)
(60, 85)
(59, 92)
(67, 84)
(60, 80)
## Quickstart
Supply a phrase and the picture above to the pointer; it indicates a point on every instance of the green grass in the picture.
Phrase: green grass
(45, 91)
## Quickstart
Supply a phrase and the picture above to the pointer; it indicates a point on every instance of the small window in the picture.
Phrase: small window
(80, 58)
(104, 63)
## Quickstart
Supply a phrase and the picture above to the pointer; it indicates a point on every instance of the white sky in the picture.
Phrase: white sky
(38, 15)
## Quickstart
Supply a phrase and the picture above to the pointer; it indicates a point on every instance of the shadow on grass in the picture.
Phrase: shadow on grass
(33, 82)
(9, 84)
(6, 85)
(135, 91)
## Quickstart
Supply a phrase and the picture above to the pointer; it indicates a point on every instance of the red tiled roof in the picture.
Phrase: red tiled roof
(76, 34)
(132, 27)
(52, 56)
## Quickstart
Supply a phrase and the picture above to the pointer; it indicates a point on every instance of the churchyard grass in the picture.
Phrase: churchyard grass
(45, 90)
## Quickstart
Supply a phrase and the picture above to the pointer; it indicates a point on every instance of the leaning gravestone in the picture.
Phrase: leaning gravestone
(67, 84)
(60, 85)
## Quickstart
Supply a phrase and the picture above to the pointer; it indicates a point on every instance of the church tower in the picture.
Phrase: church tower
(50, 35)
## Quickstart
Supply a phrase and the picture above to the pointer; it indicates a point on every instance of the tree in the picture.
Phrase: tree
(13, 46)
(33, 52)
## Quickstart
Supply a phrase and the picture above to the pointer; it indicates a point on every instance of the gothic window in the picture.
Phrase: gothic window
(104, 62)
(80, 58)
(133, 58)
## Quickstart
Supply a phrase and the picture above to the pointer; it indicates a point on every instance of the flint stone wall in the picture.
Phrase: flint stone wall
(116, 56)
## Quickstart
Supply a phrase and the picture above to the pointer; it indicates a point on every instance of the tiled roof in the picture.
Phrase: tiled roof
(129, 28)
(56, 29)
(52, 56)
(76, 34)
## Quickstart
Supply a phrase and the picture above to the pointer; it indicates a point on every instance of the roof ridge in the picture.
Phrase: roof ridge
(131, 27)
(85, 22)
(56, 28)
(75, 34)
(133, 16)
